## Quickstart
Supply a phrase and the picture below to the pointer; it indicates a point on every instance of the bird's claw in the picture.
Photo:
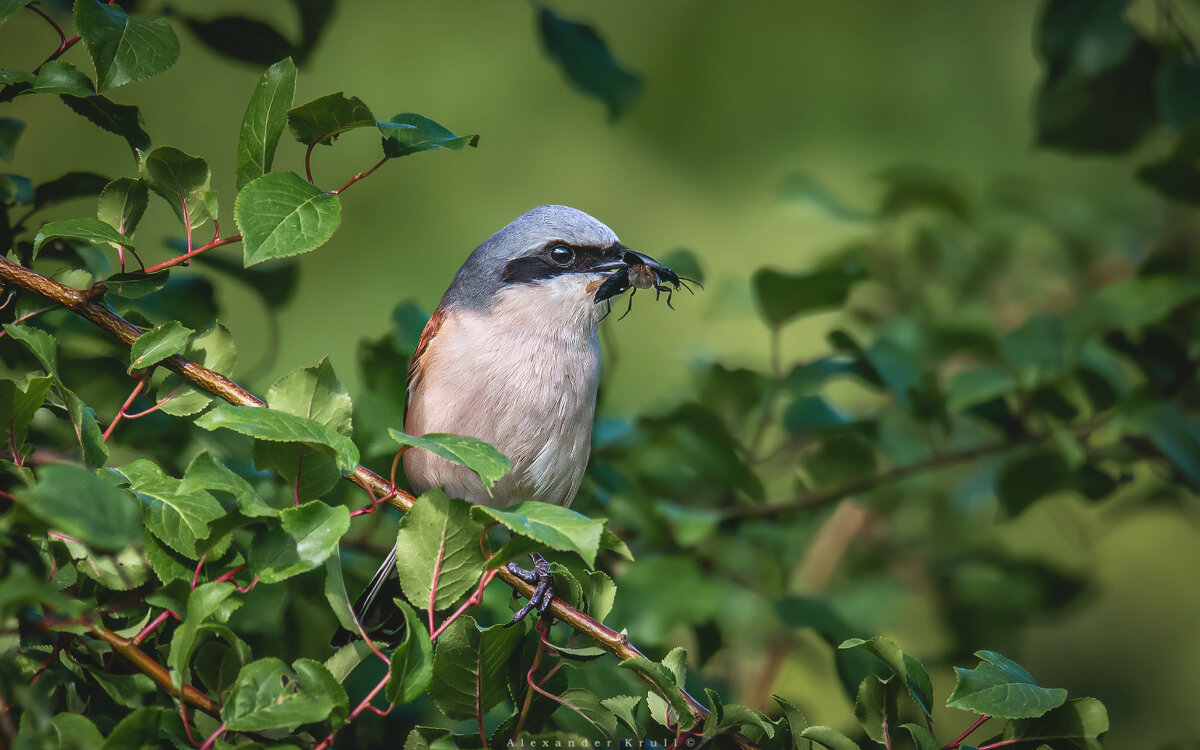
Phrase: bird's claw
(543, 582)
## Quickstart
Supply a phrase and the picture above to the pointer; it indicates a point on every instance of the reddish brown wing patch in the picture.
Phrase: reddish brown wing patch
(417, 364)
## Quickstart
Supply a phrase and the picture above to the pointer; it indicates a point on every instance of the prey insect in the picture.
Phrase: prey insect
(643, 272)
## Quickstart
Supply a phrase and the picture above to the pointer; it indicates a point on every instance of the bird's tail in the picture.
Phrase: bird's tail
(376, 612)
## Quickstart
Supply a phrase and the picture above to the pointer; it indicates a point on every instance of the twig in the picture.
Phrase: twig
(959, 739)
(218, 385)
(359, 176)
(215, 242)
(141, 383)
(155, 671)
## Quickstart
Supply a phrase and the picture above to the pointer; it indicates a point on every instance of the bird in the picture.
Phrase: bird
(511, 356)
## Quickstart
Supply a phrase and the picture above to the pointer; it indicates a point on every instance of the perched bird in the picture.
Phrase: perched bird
(512, 356)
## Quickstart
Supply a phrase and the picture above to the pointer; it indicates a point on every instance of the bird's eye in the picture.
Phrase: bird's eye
(561, 255)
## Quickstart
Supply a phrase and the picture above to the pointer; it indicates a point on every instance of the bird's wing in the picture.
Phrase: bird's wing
(416, 364)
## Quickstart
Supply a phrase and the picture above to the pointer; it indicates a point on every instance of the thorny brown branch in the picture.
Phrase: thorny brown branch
(83, 304)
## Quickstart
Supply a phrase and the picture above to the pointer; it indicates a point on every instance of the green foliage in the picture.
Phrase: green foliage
(780, 514)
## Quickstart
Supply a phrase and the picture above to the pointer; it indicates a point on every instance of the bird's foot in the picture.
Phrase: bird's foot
(542, 581)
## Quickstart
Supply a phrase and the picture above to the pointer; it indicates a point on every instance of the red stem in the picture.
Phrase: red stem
(154, 408)
(208, 744)
(433, 584)
(141, 383)
(299, 473)
(216, 242)
(308, 161)
(364, 705)
(187, 221)
(154, 625)
(64, 44)
(958, 740)
(475, 598)
(356, 177)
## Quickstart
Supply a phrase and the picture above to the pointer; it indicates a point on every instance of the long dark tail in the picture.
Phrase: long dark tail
(378, 614)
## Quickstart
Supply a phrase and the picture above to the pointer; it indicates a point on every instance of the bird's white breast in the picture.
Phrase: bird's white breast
(522, 376)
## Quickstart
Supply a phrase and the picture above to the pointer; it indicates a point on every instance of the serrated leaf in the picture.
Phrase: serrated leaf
(8, 7)
(269, 695)
(267, 424)
(124, 48)
(207, 473)
(281, 215)
(829, 738)
(409, 133)
(305, 538)
(91, 230)
(1077, 725)
(469, 667)
(488, 463)
(213, 349)
(76, 502)
(910, 671)
(264, 120)
(158, 343)
(142, 729)
(19, 401)
(624, 707)
(546, 525)
(320, 120)
(439, 532)
(55, 77)
(117, 119)
(183, 182)
(122, 571)
(1001, 687)
(179, 517)
(412, 661)
(663, 681)
(588, 63)
(586, 704)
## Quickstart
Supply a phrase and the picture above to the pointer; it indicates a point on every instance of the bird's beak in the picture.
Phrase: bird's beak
(618, 280)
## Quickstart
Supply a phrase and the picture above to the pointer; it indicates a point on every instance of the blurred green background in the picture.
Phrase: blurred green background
(738, 97)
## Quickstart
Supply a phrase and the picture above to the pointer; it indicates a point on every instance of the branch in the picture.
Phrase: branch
(817, 498)
(218, 385)
(155, 671)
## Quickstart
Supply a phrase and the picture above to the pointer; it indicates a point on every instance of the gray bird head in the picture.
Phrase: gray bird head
(551, 249)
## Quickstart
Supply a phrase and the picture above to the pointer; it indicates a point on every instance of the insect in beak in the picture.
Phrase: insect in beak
(639, 271)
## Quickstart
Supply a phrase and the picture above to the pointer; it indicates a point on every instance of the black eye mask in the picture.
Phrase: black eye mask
(559, 258)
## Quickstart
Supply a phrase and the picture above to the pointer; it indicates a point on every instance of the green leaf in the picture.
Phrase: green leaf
(281, 215)
(1001, 687)
(469, 667)
(55, 77)
(439, 532)
(1029, 478)
(1174, 434)
(207, 473)
(624, 707)
(263, 123)
(972, 387)
(8, 7)
(15, 189)
(586, 704)
(158, 343)
(141, 730)
(306, 536)
(783, 296)
(118, 119)
(875, 706)
(588, 63)
(922, 738)
(800, 187)
(412, 661)
(546, 525)
(430, 738)
(91, 230)
(213, 349)
(335, 592)
(181, 179)
(408, 133)
(19, 401)
(829, 738)
(1035, 349)
(663, 681)
(76, 502)
(1131, 304)
(811, 414)
(204, 603)
(267, 424)
(488, 463)
(124, 571)
(122, 204)
(39, 343)
(10, 131)
(1077, 725)
(320, 120)
(179, 517)
(124, 48)
(904, 666)
(269, 695)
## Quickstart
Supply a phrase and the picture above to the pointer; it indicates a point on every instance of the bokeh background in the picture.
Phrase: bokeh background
(738, 99)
